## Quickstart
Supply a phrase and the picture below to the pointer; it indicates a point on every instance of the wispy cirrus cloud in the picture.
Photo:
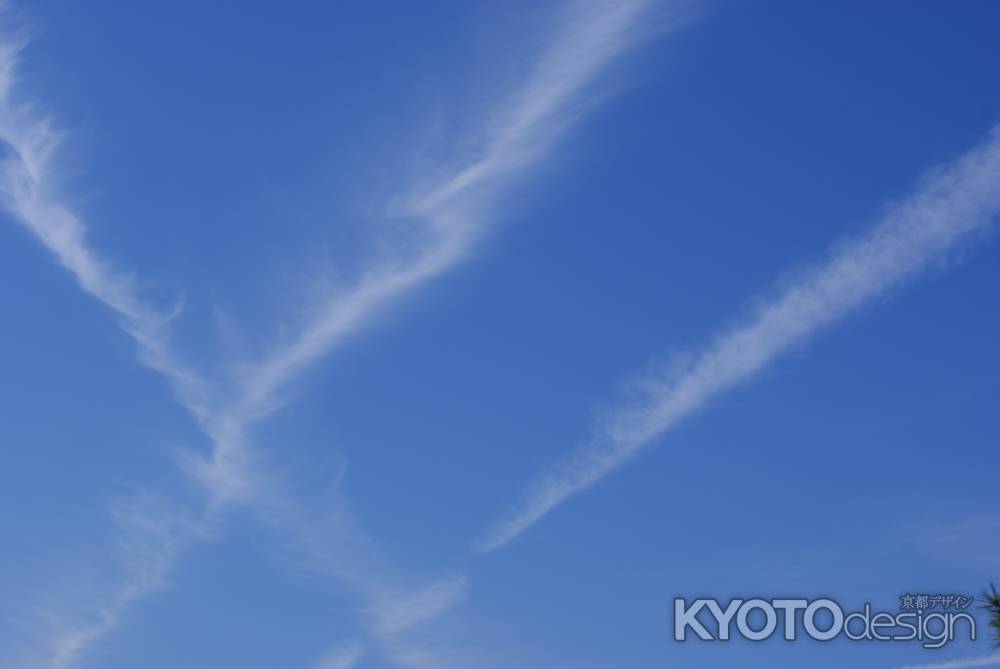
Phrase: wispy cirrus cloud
(326, 538)
(455, 206)
(341, 656)
(152, 531)
(399, 613)
(947, 207)
(29, 191)
(590, 36)
(453, 210)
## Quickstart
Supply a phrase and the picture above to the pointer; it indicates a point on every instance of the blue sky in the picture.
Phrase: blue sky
(463, 335)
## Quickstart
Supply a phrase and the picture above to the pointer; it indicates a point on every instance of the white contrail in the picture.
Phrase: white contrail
(149, 544)
(453, 209)
(402, 612)
(961, 663)
(27, 191)
(332, 542)
(151, 534)
(947, 207)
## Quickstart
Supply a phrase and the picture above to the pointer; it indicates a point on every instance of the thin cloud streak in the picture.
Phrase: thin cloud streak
(152, 535)
(327, 537)
(453, 210)
(947, 207)
(593, 35)
(342, 656)
(400, 613)
(961, 663)
(27, 176)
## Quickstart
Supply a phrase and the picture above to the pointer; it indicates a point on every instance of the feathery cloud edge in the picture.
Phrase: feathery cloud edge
(948, 206)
